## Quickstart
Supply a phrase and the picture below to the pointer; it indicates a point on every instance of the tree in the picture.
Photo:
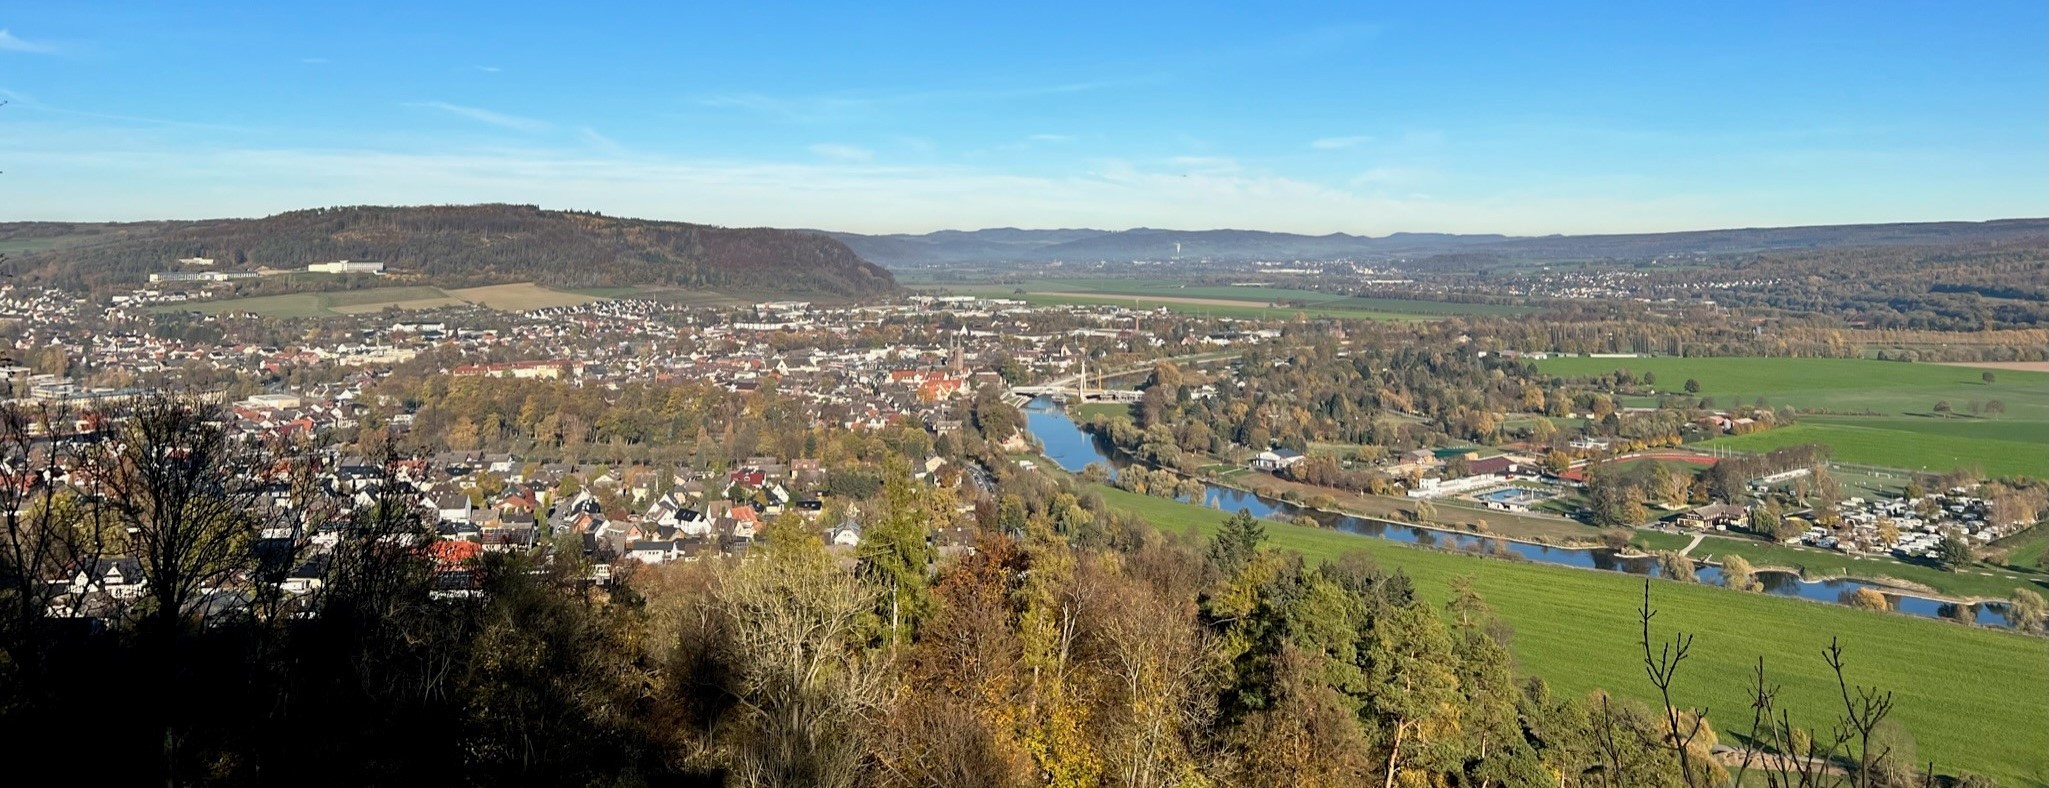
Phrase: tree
(896, 550)
(2026, 610)
(792, 641)
(1692, 386)
(1995, 408)
(1412, 688)
(1765, 519)
(1942, 407)
(1675, 566)
(1237, 543)
(1868, 599)
(187, 496)
(1989, 377)
(1738, 574)
(1953, 552)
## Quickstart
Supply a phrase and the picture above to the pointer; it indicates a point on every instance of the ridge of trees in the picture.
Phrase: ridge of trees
(460, 245)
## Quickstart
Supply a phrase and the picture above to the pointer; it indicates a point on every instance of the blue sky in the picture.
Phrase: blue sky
(1522, 118)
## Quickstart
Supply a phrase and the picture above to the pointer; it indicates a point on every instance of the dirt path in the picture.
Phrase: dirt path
(2018, 366)
(1693, 544)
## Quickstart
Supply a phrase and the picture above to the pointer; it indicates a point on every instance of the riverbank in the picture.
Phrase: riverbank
(1969, 586)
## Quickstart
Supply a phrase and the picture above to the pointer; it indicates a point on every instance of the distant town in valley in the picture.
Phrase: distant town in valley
(1781, 435)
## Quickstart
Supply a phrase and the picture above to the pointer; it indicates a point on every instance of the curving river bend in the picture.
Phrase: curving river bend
(1068, 446)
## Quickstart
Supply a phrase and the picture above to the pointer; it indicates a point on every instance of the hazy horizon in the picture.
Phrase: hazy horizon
(1071, 228)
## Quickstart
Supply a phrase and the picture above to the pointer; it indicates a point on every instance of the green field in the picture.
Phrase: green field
(2027, 549)
(1905, 431)
(1972, 697)
(1816, 563)
(1902, 448)
(1224, 300)
(329, 303)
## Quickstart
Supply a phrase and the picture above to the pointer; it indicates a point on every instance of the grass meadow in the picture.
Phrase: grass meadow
(1972, 697)
(1878, 412)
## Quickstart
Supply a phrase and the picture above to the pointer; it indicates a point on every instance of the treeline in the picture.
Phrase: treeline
(477, 244)
(1967, 287)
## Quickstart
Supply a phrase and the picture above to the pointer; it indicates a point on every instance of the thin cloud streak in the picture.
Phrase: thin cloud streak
(9, 42)
(481, 115)
(1340, 143)
(839, 152)
(822, 107)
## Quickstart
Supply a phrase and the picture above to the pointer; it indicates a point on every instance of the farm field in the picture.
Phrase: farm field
(1896, 424)
(1970, 696)
(1226, 301)
(519, 297)
(1902, 448)
(512, 297)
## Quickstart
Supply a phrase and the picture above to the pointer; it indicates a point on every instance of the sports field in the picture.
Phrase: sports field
(1225, 300)
(1972, 697)
(1895, 422)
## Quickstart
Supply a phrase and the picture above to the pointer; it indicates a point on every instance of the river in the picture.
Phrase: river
(1068, 446)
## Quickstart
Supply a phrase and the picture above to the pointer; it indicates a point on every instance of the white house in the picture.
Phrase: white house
(346, 267)
(1275, 459)
(452, 506)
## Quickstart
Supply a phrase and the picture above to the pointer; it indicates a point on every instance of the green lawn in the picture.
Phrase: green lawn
(290, 305)
(1904, 433)
(2025, 550)
(1902, 448)
(310, 304)
(380, 295)
(1815, 563)
(1972, 697)
(1087, 412)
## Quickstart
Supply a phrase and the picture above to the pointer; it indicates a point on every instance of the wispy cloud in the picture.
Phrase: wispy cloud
(836, 106)
(1392, 176)
(1051, 138)
(1205, 164)
(313, 61)
(10, 42)
(601, 142)
(481, 115)
(489, 69)
(28, 102)
(1339, 143)
(839, 152)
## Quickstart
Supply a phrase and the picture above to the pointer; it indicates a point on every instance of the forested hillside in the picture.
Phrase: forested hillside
(458, 245)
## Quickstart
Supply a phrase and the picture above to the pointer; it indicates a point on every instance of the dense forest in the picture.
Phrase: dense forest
(462, 245)
(1970, 287)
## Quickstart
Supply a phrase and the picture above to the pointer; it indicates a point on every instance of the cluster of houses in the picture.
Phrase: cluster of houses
(1908, 527)
(481, 503)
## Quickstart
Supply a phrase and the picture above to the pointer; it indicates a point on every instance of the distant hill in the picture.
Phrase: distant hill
(1447, 250)
(455, 245)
